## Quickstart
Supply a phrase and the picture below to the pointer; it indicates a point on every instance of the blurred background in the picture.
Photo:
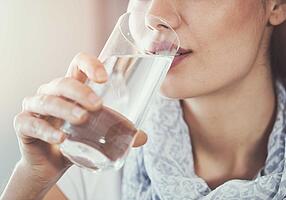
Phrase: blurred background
(38, 39)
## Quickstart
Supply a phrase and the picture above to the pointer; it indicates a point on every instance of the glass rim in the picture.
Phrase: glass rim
(157, 17)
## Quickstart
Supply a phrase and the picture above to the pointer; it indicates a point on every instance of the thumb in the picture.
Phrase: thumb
(140, 138)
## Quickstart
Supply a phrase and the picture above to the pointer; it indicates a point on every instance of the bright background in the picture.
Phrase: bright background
(38, 39)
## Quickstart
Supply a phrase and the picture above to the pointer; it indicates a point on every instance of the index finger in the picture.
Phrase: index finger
(84, 66)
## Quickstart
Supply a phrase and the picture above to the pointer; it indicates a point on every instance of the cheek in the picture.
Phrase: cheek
(226, 19)
(232, 40)
(225, 47)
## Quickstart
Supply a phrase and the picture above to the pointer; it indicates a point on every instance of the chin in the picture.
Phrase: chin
(175, 89)
(173, 92)
(172, 88)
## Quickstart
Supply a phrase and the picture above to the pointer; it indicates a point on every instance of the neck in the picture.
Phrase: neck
(232, 125)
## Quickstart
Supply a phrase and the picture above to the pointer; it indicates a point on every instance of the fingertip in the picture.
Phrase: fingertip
(140, 138)
(95, 70)
(97, 79)
(101, 76)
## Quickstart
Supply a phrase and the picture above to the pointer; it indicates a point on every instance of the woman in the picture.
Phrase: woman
(223, 139)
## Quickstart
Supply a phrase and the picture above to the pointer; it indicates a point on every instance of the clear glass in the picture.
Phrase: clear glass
(137, 57)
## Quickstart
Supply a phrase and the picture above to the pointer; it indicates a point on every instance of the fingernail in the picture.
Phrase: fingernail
(93, 99)
(101, 75)
(78, 112)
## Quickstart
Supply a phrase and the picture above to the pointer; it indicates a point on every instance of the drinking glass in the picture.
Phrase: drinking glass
(137, 57)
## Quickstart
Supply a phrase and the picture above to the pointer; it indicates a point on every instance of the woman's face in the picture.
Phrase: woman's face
(225, 37)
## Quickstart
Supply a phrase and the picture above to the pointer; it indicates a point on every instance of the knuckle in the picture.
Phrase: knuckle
(74, 87)
(51, 101)
(80, 56)
(44, 101)
(41, 130)
(25, 102)
(54, 106)
(17, 121)
(41, 89)
(82, 95)
(60, 85)
(85, 91)
(68, 84)
(59, 82)
(36, 127)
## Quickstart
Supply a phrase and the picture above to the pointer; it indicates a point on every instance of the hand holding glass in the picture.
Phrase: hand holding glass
(137, 57)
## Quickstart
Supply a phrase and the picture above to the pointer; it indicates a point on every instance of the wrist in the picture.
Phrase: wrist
(26, 184)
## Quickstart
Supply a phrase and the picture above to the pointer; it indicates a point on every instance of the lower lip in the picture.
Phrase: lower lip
(178, 59)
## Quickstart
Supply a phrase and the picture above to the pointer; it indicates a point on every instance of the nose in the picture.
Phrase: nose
(165, 9)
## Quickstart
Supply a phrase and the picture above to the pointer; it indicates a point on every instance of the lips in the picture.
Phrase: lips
(161, 48)
(181, 55)
(182, 51)
(165, 47)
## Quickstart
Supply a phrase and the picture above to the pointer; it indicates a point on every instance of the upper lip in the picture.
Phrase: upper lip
(183, 51)
(157, 47)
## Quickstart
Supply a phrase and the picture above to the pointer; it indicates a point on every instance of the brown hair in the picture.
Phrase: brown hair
(278, 53)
